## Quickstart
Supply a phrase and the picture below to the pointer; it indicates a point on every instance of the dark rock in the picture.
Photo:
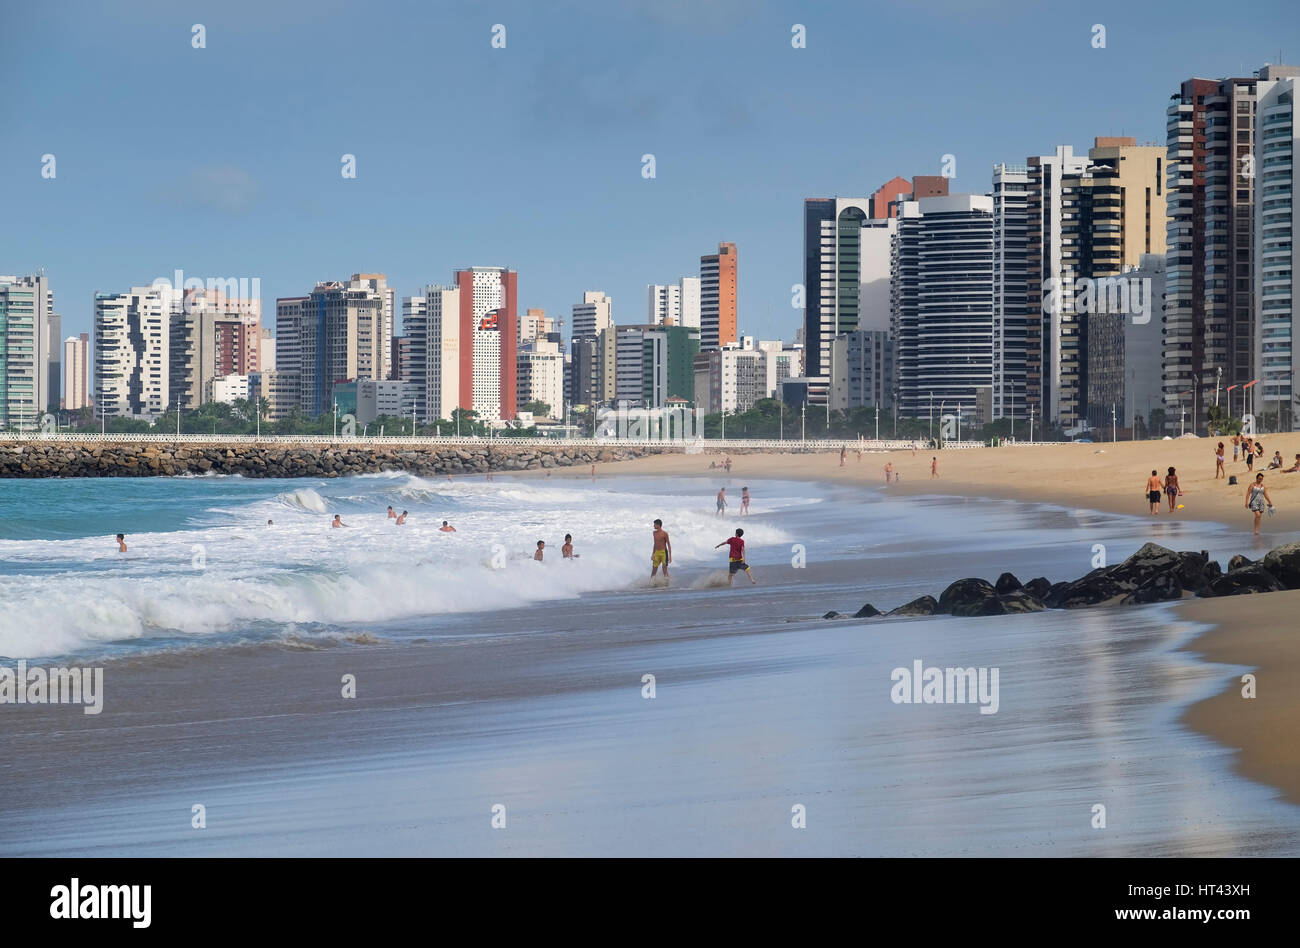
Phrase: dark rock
(1163, 587)
(922, 606)
(968, 597)
(1238, 561)
(867, 611)
(1245, 581)
(1019, 600)
(1006, 583)
(833, 615)
(1284, 563)
(1038, 587)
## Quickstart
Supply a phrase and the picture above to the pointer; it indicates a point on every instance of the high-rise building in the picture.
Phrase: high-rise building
(1277, 249)
(593, 314)
(593, 369)
(886, 198)
(1011, 325)
(541, 375)
(1211, 316)
(862, 370)
(719, 300)
(432, 326)
(30, 351)
(342, 331)
(489, 335)
(846, 274)
(942, 303)
(654, 364)
(76, 372)
(132, 342)
(534, 324)
(674, 304)
(290, 319)
(733, 378)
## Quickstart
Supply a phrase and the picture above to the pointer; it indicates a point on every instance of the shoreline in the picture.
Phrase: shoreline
(1248, 631)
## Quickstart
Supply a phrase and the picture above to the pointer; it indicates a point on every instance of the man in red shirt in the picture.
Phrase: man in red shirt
(737, 557)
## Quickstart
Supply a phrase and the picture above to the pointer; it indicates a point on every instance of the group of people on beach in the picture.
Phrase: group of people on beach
(399, 520)
(892, 476)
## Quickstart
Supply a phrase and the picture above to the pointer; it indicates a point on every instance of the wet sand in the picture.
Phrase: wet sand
(1253, 631)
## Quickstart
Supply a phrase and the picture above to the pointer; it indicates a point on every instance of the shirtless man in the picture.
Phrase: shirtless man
(934, 468)
(889, 471)
(391, 514)
(662, 554)
(1154, 486)
(446, 528)
(402, 519)
(338, 522)
(567, 550)
(121, 543)
(722, 501)
(541, 548)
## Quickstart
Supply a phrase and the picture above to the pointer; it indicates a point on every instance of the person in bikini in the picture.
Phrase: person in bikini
(1218, 462)
(1171, 489)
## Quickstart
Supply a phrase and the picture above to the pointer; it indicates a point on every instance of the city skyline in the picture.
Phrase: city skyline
(122, 214)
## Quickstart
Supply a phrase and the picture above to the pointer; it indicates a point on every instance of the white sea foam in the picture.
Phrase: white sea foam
(240, 576)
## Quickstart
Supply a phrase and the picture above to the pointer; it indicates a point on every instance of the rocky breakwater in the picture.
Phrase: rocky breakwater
(1152, 574)
(268, 459)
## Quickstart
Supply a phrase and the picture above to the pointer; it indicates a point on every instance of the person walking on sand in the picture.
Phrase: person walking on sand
(1236, 446)
(1248, 452)
(402, 519)
(726, 463)
(541, 548)
(1171, 489)
(934, 468)
(736, 557)
(913, 449)
(121, 543)
(844, 453)
(889, 471)
(662, 553)
(1153, 492)
(446, 528)
(1218, 462)
(744, 501)
(1256, 498)
(722, 501)
(593, 472)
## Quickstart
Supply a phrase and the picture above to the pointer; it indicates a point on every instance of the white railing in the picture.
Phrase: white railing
(709, 444)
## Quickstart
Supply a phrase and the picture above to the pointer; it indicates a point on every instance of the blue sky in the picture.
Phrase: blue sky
(225, 161)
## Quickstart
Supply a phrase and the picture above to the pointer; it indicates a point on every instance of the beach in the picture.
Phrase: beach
(1250, 631)
(383, 690)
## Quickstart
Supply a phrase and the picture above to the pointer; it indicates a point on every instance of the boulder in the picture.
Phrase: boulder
(922, 606)
(1284, 563)
(1163, 587)
(867, 611)
(1006, 583)
(833, 615)
(1246, 581)
(968, 597)
(1038, 587)
(1238, 561)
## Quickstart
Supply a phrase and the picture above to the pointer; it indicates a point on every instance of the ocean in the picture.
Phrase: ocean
(603, 715)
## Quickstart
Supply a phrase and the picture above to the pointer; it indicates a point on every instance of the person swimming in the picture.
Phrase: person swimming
(391, 514)
(338, 522)
(541, 549)
(121, 543)
(402, 519)
(446, 528)
(567, 550)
